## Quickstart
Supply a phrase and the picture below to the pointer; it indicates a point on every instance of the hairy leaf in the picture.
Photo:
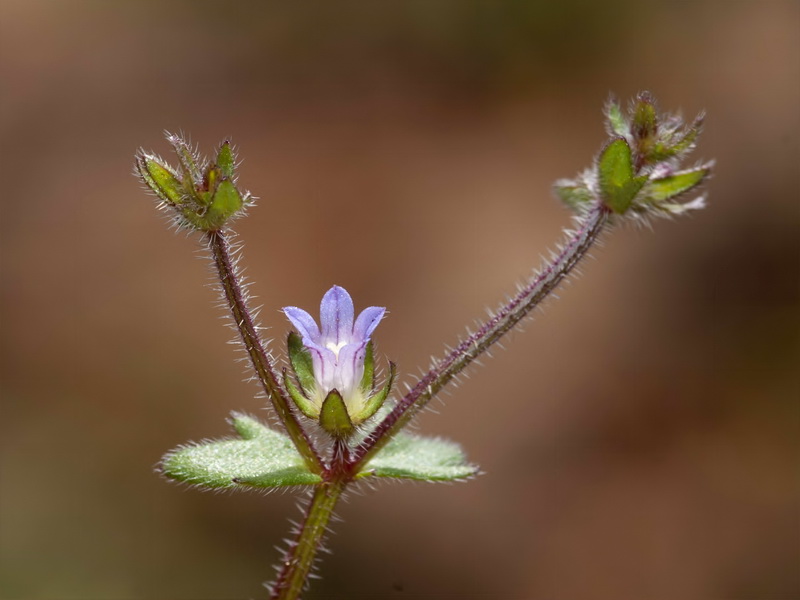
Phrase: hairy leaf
(421, 459)
(262, 458)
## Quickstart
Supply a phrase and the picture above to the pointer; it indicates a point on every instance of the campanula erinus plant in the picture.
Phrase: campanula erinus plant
(341, 422)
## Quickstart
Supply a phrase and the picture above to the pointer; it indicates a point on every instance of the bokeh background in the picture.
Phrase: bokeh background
(639, 440)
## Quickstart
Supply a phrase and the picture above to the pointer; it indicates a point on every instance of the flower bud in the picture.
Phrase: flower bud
(203, 194)
(644, 125)
(638, 171)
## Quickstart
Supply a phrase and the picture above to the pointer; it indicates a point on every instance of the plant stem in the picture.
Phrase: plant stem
(299, 558)
(591, 225)
(232, 289)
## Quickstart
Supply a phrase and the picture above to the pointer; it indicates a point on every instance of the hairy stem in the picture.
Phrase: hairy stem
(538, 288)
(299, 558)
(232, 289)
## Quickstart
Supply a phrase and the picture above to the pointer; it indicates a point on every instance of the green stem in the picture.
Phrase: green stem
(299, 558)
(232, 289)
(546, 280)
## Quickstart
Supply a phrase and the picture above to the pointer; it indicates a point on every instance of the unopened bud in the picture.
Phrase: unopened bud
(203, 194)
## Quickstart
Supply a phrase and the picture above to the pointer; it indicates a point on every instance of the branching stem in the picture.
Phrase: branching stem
(540, 286)
(232, 289)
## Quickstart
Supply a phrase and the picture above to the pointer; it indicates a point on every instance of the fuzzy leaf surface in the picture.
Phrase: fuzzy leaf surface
(421, 459)
(261, 458)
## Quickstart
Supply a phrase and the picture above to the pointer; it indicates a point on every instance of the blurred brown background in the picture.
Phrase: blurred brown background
(639, 439)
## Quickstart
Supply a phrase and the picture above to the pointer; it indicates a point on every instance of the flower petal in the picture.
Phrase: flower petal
(366, 323)
(325, 369)
(304, 323)
(336, 316)
(350, 368)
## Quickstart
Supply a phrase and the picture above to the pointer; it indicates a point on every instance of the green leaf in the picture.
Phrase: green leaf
(333, 416)
(302, 365)
(372, 405)
(666, 188)
(422, 459)
(262, 458)
(618, 186)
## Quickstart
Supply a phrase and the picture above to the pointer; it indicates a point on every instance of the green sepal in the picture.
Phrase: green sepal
(575, 195)
(261, 458)
(618, 186)
(422, 459)
(160, 179)
(644, 124)
(211, 181)
(306, 406)
(333, 416)
(666, 188)
(615, 119)
(188, 158)
(368, 379)
(302, 364)
(372, 405)
(226, 161)
(226, 202)
(675, 145)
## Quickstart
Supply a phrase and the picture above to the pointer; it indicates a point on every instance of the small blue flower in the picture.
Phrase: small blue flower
(338, 350)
